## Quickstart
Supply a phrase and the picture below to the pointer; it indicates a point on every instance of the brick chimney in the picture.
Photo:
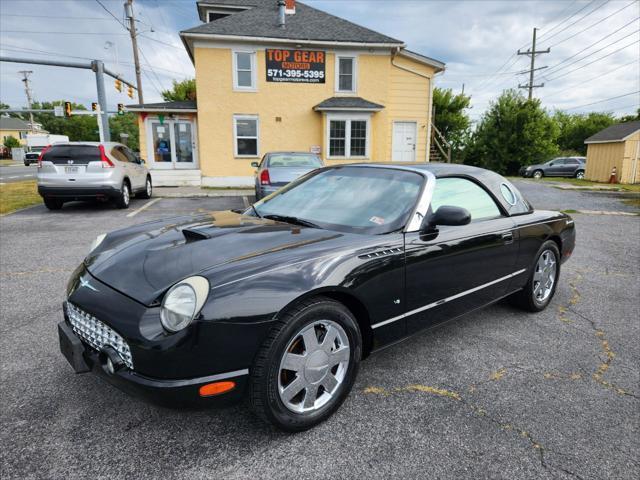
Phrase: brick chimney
(290, 7)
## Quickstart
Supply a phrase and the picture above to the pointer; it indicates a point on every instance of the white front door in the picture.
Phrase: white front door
(404, 141)
(171, 144)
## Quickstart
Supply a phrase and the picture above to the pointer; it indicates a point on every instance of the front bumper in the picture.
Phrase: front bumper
(79, 193)
(171, 393)
(525, 173)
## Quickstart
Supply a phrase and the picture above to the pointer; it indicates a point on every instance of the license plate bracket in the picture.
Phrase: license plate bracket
(72, 348)
(71, 169)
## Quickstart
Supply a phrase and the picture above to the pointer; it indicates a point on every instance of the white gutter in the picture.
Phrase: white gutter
(347, 109)
(163, 110)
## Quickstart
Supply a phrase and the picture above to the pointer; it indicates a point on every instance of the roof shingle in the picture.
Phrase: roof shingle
(12, 123)
(347, 103)
(308, 23)
(615, 133)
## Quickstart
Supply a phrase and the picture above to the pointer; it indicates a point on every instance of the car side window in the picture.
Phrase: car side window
(119, 155)
(572, 161)
(460, 192)
(130, 156)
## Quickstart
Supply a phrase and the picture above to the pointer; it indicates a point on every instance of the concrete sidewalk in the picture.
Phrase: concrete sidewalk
(197, 192)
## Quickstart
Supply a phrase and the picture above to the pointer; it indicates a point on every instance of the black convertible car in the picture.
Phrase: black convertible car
(281, 302)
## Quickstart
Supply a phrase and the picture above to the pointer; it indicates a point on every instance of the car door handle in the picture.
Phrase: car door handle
(507, 237)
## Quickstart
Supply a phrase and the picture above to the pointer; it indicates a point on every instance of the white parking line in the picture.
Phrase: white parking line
(29, 176)
(14, 176)
(145, 206)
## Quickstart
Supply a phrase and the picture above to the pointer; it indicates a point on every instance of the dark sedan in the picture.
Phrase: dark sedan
(558, 167)
(277, 169)
(280, 303)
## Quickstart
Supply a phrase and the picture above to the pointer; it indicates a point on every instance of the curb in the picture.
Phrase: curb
(212, 194)
(604, 212)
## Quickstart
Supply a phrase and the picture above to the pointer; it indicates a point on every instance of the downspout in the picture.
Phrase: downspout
(394, 52)
(635, 162)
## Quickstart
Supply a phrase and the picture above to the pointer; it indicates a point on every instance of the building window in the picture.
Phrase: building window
(348, 137)
(245, 132)
(346, 74)
(244, 70)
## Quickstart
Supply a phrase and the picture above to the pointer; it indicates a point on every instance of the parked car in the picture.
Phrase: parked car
(277, 169)
(31, 157)
(558, 167)
(90, 170)
(281, 302)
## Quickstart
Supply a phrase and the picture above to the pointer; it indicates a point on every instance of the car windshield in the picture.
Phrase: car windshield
(350, 199)
(294, 160)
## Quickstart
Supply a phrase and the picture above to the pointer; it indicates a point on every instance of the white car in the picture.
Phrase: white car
(91, 170)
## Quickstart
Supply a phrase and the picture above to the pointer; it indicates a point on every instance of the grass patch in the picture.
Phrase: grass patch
(570, 210)
(7, 161)
(588, 183)
(17, 195)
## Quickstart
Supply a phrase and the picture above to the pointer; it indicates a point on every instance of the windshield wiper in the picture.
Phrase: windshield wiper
(255, 210)
(294, 220)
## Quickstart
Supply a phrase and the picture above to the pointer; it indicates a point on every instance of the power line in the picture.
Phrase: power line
(599, 22)
(62, 33)
(578, 20)
(593, 61)
(583, 82)
(602, 101)
(555, 67)
(163, 43)
(111, 13)
(61, 17)
(567, 18)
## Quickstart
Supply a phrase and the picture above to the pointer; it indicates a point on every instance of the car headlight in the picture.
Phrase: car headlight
(528, 168)
(183, 302)
(96, 243)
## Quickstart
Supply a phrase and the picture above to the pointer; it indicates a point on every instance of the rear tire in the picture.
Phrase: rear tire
(124, 198)
(148, 189)
(543, 280)
(538, 174)
(580, 174)
(53, 203)
(325, 383)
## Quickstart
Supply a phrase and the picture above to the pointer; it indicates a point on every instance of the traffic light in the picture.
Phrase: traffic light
(120, 109)
(67, 109)
(118, 85)
(130, 91)
(94, 106)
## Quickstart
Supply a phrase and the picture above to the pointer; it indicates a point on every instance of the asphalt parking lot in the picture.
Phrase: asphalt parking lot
(17, 173)
(496, 394)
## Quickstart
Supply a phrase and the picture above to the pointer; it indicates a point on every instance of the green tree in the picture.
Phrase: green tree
(127, 123)
(512, 133)
(576, 128)
(631, 117)
(11, 142)
(450, 117)
(181, 91)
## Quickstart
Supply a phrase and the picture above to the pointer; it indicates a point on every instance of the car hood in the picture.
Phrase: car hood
(144, 261)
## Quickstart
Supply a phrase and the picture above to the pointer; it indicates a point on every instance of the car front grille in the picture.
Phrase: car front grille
(97, 334)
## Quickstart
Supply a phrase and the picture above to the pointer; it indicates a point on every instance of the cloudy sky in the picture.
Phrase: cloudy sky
(593, 64)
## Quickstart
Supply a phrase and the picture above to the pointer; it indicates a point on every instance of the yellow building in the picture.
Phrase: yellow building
(616, 146)
(14, 127)
(288, 79)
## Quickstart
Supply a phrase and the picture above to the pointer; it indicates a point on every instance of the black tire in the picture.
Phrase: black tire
(53, 203)
(124, 199)
(538, 174)
(264, 377)
(148, 189)
(580, 174)
(525, 298)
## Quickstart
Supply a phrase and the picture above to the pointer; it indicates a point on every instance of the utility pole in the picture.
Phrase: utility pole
(532, 52)
(27, 90)
(128, 9)
(103, 120)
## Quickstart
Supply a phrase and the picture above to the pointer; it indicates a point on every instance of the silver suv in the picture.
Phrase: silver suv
(85, 170)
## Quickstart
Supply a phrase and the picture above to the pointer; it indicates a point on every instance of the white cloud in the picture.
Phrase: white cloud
(474, 38)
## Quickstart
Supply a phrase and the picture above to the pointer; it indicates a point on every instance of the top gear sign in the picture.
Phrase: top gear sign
(295, 66)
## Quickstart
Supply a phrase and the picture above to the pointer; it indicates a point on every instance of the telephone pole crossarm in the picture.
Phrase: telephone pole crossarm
(532, 52)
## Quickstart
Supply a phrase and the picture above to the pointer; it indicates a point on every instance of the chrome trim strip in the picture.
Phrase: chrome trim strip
(423, 203)
(191, 381)
(445, 300)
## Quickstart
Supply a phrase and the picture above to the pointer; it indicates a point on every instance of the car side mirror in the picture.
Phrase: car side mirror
(254, 164)
(551, 164)
(448, 215)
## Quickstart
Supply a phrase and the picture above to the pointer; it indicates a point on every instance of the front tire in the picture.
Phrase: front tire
(543, 279)
(306, 366)
(124, 198)
(538, 174)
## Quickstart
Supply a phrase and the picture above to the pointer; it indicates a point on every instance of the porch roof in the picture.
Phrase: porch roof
(187, 106)
(347, 104)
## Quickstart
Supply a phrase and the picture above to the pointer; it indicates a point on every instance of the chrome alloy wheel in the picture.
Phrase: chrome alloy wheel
(125, 194)
(313, 366)
(544, 276)
(148, 187)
